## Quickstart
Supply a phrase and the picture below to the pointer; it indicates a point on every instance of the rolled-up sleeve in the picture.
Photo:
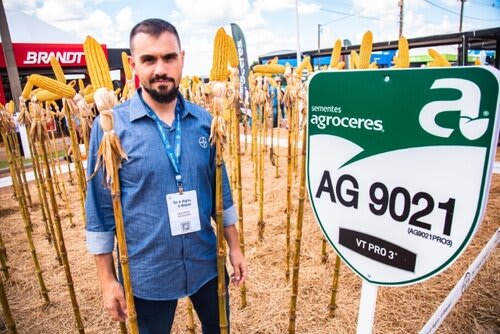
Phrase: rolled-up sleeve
(229, 216)
(100, 225)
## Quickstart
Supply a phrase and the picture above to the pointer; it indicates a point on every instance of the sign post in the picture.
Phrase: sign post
(399, 166)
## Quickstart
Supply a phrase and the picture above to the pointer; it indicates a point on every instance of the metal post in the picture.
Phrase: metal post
(298, 36)
(401, 4)
(12, 73)
(461, 14)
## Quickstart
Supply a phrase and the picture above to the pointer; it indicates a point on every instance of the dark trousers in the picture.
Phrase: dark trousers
(157, 317)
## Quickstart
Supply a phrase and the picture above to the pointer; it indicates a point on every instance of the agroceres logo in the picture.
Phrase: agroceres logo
(471, 125)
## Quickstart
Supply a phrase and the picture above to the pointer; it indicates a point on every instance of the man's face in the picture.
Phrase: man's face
(158, 63)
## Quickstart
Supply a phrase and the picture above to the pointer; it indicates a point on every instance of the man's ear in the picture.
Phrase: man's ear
(131, 61)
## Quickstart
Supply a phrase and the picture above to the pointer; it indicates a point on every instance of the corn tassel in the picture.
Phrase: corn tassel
(97, 65)
(366, 50)
(58, 71)
(335, 58)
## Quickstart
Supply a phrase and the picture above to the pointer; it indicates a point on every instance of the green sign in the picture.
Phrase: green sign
(399, 165)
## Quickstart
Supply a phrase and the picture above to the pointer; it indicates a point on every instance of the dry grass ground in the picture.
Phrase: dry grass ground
(399, 310)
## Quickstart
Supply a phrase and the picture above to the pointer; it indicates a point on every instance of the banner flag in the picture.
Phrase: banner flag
(241, 47)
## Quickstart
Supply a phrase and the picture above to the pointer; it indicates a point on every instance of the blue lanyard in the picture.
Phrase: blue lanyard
(174, 154)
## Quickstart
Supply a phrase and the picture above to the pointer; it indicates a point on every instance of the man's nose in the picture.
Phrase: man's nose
(161, 68)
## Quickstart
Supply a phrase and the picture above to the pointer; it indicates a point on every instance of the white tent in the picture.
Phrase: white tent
(29, 29)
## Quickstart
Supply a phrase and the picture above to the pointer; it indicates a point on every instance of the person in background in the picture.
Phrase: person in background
(167, 193)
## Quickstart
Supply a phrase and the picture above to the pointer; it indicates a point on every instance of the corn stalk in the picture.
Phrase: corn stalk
(290, 103)
(237, 162)
(279, 114)
(24, 181)
(61, 181)
(298, 239)
(39, 134)
(3, 260)
(260, 150)
(11, 324)
(24, 119)
(109, 157)
(333, 300)
(68, 163)
(21, 198)
(218, 138)
(43, 188)
(69, 109)
(324, 254)
(190, 314)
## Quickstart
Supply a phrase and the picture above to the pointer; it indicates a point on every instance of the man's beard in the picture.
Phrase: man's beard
(165, 95)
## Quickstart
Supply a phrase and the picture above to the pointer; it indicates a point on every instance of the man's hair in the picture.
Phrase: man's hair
(153, 27)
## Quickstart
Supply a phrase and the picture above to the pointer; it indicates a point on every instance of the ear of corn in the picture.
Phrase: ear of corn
(366, 50)
(269, 69)
(353, 63)
(44, 95)
(89, 98)
(11, 107)
(340, 65)
(403, 58)
(52, 85)
(81, 85)
(306, 63)
(219, 71)
(88, 90)
(438, 59)
(373, 65)
(97, 65)
(335, 58)
(274, 60)
(232, 53)
(28, 87)
(126, 67)
(58, 71)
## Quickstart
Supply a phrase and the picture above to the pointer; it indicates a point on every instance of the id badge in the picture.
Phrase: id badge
(183, 212)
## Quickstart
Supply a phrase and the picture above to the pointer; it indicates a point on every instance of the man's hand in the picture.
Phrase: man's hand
(113, 295)
(113, 298)
(236, 256)
(240, 268)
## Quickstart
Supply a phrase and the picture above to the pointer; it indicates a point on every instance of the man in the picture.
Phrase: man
(169, 163)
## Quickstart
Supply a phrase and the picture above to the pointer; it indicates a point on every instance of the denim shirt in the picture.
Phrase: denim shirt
(162, 266)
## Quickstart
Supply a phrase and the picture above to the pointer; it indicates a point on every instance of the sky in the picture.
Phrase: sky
(268, 25)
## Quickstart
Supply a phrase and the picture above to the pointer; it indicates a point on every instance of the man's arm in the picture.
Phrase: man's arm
(112, 291)
(236, 256)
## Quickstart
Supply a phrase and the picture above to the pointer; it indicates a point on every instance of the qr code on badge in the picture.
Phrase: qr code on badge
(186, 226)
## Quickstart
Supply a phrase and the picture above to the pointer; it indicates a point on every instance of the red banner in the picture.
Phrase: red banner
(38, 55)
(2, 93)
